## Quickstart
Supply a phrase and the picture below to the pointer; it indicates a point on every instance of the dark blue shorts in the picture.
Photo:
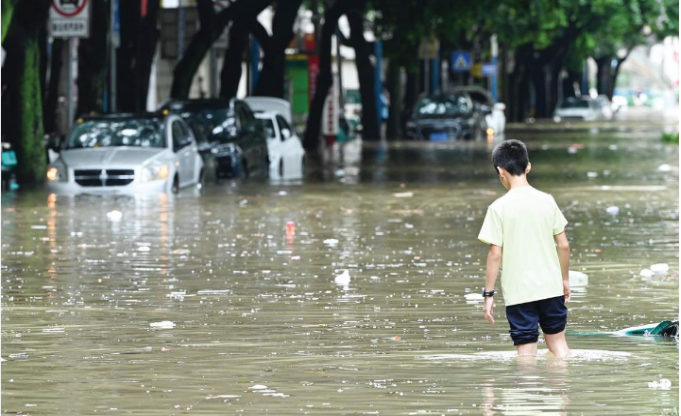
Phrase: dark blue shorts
(550, 313)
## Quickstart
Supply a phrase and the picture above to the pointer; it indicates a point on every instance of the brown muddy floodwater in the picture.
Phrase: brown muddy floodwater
(209, 304)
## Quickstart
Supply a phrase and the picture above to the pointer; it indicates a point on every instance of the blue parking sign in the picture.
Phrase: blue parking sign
(461, 61)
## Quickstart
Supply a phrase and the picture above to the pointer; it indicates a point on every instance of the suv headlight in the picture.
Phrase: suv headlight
(155, 171)
(57, 172)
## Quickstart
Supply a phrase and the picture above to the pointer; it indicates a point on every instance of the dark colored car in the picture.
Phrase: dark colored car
(454, 115)
(230, 138)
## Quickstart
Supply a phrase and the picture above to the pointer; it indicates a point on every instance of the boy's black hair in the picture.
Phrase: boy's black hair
(512, 156)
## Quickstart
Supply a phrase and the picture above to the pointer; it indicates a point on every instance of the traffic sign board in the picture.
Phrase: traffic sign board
(70, 19)
(489, 70)
(461, 61)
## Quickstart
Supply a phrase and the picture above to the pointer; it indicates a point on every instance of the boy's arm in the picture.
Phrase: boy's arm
(564, 258)
(493, 264)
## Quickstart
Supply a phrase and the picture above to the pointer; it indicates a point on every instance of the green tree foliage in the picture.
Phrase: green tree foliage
(7, 13)
(22, 102)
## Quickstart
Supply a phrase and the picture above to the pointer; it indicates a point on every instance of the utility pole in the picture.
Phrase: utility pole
(495, 53)
(69, 85)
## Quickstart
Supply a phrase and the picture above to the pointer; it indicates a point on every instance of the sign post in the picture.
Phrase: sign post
(115, 42)
(70, 19)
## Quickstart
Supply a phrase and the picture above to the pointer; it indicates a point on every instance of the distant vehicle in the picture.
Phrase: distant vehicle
(9, 165)
(586, 109)
(228, 133)
(494, 112)
(287, 156)
(448, 116)
(605, 106)
(124, 153)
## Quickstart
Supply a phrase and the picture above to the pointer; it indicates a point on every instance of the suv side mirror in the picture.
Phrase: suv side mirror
(285, 134)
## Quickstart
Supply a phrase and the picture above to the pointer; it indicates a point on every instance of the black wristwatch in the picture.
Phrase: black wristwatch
(486, 294)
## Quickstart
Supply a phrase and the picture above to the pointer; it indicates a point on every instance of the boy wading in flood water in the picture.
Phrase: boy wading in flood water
(522, 229)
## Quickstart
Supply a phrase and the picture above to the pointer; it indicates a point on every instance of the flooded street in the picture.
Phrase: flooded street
(353, 293)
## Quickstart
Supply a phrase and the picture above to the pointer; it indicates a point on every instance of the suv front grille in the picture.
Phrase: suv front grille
(101, 177)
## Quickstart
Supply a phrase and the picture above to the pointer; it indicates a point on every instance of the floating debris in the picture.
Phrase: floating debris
(660, 269)
(331, 242)
(403, 194)
(664, 168)
(342, 279)
(163, 325)
(662, 384)
(613, 210)
(114, 215)
(578, 278)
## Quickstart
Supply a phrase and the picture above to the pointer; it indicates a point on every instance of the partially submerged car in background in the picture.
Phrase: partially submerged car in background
(127, 153)
(231, 141)
(287, 156)
(463, 113)
(585, 108)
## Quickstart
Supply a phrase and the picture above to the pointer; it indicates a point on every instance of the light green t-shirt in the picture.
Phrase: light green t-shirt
(523, 223)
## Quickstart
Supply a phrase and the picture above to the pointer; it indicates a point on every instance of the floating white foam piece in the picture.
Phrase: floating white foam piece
(258, 387)
(342, 279)
(114, 215)
(613, 210)
(39, 227)
(646, 273)
(2, 360)
(660, 269)
(664, 168)
(592, 174)
(473, 298)
(663, 384)
(578, 278)
(223, 396)
(143, 248)
(572, 150)
(163, 324)
(331, 242)
(403, 194)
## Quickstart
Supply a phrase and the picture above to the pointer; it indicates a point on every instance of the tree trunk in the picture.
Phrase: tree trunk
(573, 78)
(410, 96)
(52, 93)
(92, 62)
(22, 116)
(146, 49)
(555, 86)
(324, 78)
(365, 72)
(271, 80)
(540, 99)
(394, 85)
(604, 75)
(231, 68)
(126, 54)
(186, 68)
(616, 73)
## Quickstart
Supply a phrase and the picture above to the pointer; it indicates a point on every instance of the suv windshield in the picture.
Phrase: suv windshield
(443, 105)
(212, 124)
(110, 133)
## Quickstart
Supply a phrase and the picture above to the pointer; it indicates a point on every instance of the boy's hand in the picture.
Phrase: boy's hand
(566, 290)
(488, 309)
